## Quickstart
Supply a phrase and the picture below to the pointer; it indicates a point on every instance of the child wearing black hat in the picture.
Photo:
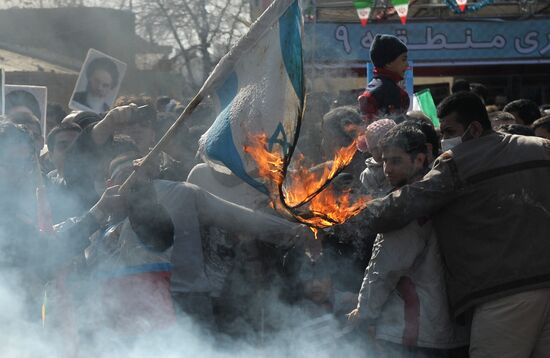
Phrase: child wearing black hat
(383, 97)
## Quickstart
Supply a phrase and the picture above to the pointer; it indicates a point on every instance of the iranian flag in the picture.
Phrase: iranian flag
(402, 8)
(424, 102)
(461, 4)
(364, 8)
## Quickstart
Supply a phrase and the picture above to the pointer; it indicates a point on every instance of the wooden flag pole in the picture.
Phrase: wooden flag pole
(164, 140)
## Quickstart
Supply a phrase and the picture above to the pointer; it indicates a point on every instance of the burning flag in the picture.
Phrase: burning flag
(259, 87)
(402, 9)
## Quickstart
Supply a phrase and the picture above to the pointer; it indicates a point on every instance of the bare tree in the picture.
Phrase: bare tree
(202, 31)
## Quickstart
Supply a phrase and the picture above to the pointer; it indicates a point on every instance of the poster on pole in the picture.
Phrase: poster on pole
(98, 83)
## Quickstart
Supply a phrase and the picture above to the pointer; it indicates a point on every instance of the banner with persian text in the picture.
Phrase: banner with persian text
(435, 43)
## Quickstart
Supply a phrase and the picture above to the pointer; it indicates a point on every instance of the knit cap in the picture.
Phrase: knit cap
(385, 49)
(376, 131)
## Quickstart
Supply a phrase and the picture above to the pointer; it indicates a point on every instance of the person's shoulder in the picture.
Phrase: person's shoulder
(374, 85)
(382, 86)
(169, 187)
(198, 172)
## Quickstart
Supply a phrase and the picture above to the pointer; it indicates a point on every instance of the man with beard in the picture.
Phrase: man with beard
(487, 196)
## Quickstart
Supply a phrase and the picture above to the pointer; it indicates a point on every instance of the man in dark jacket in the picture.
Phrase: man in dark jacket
(490, 205)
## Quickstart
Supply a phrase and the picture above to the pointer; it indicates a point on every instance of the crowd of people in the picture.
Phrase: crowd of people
(448, 259)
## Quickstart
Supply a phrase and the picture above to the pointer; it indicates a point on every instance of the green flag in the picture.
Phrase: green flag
(423, 101)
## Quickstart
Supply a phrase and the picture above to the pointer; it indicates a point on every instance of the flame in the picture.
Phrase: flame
(306, 192)
(270, 165)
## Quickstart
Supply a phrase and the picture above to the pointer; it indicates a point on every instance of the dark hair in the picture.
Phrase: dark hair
(56, 111)
(468, 107)
(518, 129)
(63, 127)
(82, 118)
(11, 133)
(25, 119)
(106, 64)
(25, 99)
(526, 109)
(480, 90)
(161, 103)
(543, 122)
(460, 86)
(429, 131)
(501, 116)
(406, 136)
(336, 120)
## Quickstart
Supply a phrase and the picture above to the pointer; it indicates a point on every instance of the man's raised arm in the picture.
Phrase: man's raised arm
(420, 199)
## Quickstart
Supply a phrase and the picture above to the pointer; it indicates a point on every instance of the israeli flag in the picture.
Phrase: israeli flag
(259, 87)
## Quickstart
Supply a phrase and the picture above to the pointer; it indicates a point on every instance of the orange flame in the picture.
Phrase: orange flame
(306, 189)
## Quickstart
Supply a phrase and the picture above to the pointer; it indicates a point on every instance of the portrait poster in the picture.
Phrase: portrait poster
(32, 99)
(98, 83)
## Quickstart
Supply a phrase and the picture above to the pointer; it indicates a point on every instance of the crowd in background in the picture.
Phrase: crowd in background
(450, 254)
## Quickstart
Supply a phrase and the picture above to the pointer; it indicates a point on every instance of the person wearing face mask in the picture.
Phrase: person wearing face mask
(488, 199)
(403, 295)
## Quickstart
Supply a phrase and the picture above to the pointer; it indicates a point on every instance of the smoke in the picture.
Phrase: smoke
(75, 324)
(75, 318)
(300, 336)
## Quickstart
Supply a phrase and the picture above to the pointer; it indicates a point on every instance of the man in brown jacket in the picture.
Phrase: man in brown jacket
(490, 204)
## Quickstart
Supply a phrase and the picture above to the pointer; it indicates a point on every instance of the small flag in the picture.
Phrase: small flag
(402, 8)
(363, 8)
(461, 4)
(424, 102)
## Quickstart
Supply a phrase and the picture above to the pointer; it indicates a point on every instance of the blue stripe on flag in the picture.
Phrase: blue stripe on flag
(291, 46)
(220, 145)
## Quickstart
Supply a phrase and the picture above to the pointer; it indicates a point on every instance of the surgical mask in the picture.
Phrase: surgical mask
(448, 144)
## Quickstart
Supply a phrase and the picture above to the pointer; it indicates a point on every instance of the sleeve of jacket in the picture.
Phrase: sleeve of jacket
(235, 218)
(368, 105)
(393, 255)
(420, 199)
